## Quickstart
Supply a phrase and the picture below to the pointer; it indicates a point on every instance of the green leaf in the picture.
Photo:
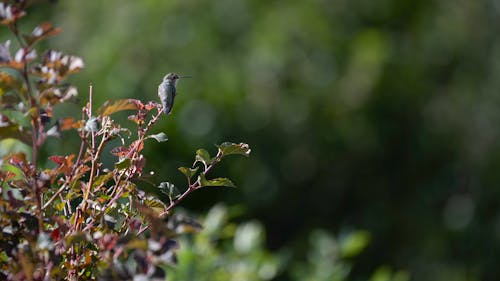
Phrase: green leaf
(169, 189)
(228, 148)
(215, 182)
(123, 164)
(188, 172)
(154, 203)
(203, 156)
(102, 179)
(15, 131)
(352, 244)
(161, 137)
(111, 107)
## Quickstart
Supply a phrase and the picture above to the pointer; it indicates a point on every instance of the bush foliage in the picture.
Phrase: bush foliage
(82, 219)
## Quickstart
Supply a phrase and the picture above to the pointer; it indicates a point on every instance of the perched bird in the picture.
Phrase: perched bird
(167, 91)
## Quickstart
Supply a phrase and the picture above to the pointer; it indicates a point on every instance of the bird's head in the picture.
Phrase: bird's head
(171, 77)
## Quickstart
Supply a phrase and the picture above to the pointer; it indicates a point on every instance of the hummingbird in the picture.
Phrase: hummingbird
(167, 91)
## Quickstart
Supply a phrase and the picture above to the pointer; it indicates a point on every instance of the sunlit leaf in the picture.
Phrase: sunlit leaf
(352, 244)
(40, 32)
(215, 182)
(228, 148)
(154, 203)
(188, 172)
(111, 107)
(160, 137)
(203, 156)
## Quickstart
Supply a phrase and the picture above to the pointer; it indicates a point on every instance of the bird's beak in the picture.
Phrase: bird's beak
(186, 76)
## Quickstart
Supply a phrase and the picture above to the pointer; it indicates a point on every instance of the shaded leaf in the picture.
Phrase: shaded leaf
(215, 182)
(7, 81)
(111, 107)
(183, 224)
(102, 179)
(188, 172)
(161, 137)
(11, 130)
(228, 148)
(137, 244)
(123, 164)
(169, 189)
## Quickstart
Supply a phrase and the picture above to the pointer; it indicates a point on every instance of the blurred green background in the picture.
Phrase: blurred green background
(376, 115)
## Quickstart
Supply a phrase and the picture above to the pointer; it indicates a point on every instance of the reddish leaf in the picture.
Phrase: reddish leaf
(120, 151)
(40, 32)
(134, 118)
(59, 160)
(111, 107)
(55, 234)
(150, 105)
(78, 124)
(66, 123)
(137, 145)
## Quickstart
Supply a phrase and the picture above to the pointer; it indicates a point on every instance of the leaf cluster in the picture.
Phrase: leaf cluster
(81, 220)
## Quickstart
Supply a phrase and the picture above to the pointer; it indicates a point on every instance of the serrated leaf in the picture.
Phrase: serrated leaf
(111, 107)
(203, 156)
(228, 148)
(188, 172)
(123, 164)
(215, 182)
(161, 137)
